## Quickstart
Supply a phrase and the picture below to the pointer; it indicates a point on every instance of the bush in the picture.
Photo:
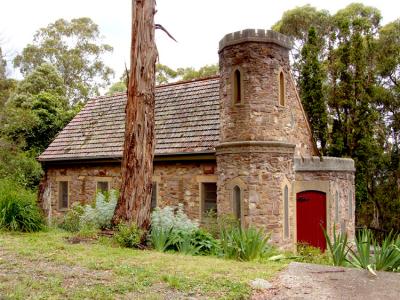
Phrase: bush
(100, 214)
(243, 244)
(18, 208)
(128, 235)
(337, 247)
(169, 228)
(96, 216)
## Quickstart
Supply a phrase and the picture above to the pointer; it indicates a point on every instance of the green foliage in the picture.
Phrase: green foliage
(311, 89)
(361, 256)
(37, 110)
(101, 212)
(311, 255)
(165, 74)
(205, 242)
(160, 238)
(191, 73)
(95, 216)
(337, 247)
(243, 244)
(129, 236)
(18, 166)
(74, 49)
(387, 255)
(18, 209)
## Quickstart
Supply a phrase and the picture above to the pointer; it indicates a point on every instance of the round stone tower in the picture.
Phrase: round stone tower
(260, 131)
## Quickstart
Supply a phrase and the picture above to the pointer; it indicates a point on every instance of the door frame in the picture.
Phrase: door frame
(318, 186)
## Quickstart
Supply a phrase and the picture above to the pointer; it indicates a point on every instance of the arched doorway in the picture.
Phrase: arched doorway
(311, 218)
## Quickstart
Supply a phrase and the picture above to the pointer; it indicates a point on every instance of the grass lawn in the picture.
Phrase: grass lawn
(45, 265)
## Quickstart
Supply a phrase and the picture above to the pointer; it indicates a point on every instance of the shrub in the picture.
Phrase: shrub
(387, 255)
(310, 254)
(361, 257)
(243, 244)
(205, 242)
(170, 227)
(338, 247)
(128, 235)
(71, 221)
(100, 214)
(18, 208)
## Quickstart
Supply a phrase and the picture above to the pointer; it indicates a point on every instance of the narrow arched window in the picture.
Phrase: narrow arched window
(337, 208)
(281, 89)
(350, 205)
(286, 211)
(237, 209)
(237, 87)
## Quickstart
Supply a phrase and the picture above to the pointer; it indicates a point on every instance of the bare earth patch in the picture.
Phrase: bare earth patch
(309, 281)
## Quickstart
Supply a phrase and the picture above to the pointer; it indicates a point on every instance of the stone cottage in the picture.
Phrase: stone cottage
(238, 143)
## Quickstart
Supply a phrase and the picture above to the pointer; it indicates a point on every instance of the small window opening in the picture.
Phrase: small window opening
(281, 89)
(237, 209)
(63, 195)
(337, 208)
(102, 187)
(237, 88)
(209, 197)
(286, 211)
(154, 196)
(350, 205)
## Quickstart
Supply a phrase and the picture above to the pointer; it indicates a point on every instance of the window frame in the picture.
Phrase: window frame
(235, 85)
(281, 88)
(59, 182)
(286, 213)
(200, 180)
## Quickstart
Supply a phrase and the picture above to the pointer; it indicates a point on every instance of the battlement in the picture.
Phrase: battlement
(255, 35)
(325, 163)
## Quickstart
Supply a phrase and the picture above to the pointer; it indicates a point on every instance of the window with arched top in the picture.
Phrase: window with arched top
(286, 211)
(237, 208)
(281, 89)
(337, 207)
(237, 87)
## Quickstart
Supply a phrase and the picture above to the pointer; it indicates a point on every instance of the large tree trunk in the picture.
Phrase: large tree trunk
(137, 162)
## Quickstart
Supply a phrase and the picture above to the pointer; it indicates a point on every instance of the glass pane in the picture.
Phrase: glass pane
(154, 196)
(209, 193)
(102, 186)
(236, 202)
(63, 194)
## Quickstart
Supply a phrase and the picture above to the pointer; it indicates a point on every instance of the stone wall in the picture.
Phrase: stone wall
(335, 177)
(261, 170)
(177, 182)
(259, 117)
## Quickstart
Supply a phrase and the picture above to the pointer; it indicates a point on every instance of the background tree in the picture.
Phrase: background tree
(6, 84)
(74, 49)
(191, 73)
(311, 89)
(137, 160)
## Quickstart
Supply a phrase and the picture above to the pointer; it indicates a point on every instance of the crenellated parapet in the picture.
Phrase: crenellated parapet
(255, 35)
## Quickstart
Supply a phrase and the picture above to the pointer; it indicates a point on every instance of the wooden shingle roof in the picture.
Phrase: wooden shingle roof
(186, 117)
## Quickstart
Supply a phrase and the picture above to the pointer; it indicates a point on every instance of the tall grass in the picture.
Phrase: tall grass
(18, 208)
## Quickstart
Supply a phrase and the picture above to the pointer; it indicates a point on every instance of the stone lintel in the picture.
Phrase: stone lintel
(255, 35)
(255, 147)
(325, 163)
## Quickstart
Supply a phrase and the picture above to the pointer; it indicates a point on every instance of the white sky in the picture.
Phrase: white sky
(198, 25)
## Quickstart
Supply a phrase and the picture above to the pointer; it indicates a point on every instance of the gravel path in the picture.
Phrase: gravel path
(309, 281)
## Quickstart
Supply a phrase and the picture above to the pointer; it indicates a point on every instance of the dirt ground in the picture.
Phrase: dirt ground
(309, 281)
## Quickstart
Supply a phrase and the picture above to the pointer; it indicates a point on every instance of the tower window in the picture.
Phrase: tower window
(237, 197)
(237, 87)
(281, 89)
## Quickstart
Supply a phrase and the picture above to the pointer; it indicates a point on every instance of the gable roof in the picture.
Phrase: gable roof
(186, 121)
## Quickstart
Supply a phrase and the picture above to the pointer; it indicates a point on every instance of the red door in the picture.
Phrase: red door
(311, 215)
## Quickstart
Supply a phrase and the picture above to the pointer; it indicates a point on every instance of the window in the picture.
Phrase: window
(237, 208)
(350, 205)
(337, 208)
(209, 197)
(102, 186)
(154, 196)
(63, 195)
(286, 211)
(237, 87)
(281, 89)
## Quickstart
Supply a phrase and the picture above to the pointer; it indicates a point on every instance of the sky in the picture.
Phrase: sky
(197, 25)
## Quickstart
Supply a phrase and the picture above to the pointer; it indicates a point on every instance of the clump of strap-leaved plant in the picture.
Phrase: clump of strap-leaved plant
(367, 252)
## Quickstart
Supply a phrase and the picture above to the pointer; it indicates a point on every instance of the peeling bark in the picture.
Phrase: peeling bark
(137, 162)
